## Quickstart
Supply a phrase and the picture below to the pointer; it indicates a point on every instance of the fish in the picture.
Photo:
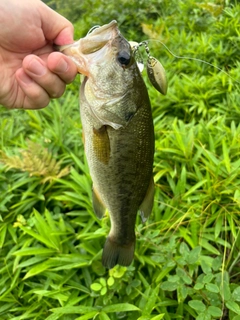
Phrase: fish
(118, 135)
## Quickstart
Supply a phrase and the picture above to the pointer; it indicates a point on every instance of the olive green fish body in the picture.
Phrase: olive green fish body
(120, 163)
(118, 138)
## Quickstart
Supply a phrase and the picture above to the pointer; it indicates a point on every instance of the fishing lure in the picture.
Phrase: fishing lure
(155, 70)
(157, 75)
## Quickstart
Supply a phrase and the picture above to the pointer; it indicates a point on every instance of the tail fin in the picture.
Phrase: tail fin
(113, 254)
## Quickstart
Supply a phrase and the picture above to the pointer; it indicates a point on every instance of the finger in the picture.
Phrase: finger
(55, 26)
(38, 71)
(31, 95)
(63, 66)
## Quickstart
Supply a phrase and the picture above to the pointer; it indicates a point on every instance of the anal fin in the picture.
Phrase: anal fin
(147, 204)
(98, 206)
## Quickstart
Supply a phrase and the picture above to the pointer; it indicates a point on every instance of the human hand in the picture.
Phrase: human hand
(31, 73)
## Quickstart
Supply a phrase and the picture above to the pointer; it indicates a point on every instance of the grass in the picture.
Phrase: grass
(187, 261)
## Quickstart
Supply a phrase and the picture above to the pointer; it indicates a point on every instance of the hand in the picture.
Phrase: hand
(30, 72)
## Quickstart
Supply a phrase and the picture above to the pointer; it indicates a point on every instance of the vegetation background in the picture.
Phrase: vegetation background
(187, 260)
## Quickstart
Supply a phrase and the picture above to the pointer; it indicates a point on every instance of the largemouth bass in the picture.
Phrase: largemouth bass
(118, 135)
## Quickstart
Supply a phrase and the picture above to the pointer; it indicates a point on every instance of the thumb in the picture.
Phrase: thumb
(55, 27)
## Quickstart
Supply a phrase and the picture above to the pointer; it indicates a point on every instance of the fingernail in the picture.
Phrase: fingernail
(62, 66)
(36, 68)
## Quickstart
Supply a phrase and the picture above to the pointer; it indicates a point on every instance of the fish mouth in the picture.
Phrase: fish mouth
(99, 37)
(84, 50)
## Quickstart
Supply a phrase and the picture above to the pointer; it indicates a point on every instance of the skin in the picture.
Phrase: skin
(31, 72)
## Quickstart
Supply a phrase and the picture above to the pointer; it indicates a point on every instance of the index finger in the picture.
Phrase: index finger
(62, 66)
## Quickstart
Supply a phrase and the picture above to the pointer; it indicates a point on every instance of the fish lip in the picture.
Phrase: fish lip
(99, 30)
(99, 37)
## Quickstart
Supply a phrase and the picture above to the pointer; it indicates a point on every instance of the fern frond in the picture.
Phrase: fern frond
(37, 161)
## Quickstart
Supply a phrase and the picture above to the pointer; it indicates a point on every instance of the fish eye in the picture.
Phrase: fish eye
(124, 58)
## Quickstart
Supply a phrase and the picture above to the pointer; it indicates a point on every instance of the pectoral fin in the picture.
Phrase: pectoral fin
(101, 144)
(147, 204)
(98, 206)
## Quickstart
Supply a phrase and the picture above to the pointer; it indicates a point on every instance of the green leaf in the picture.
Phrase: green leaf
(74, 310)
(184, 249)
(215, 312)
(3, 231)
(163, 273)
(44, 229)
(197, 305)
(212, 287)
(218, 226)
(208, 278)
(103, 316)
(118, 271)
(151, 301)
(34, 251)
(5, 307)
(40, 238)
(103, 291)
(169, 286)
(194, 255)
(31, 261)
(217, 263)
(103, 282)
(110, 281)
(199, 286)
(226, 155)
(89, 315)
(204, 316)
(194, 188)
(206, 245)
(184, 276)
(135, 283)
(236, 294)
(96, 286)
(53, 316)
(233, 306)
(158, 317)
(120, 307)
(205, 267)
(37, 269)
(225, 291)
(182, 292)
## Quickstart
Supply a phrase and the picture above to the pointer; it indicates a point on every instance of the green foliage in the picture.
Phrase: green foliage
(187, 259)
(37, 161)
(86, 14)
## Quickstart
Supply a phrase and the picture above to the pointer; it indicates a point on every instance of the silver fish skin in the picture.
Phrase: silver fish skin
(118, 135)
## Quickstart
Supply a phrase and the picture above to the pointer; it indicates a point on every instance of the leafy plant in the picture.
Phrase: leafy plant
(37, 161)
(187, 261)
